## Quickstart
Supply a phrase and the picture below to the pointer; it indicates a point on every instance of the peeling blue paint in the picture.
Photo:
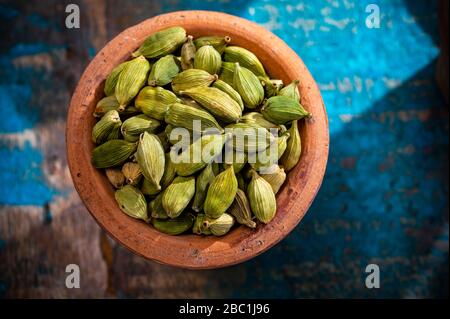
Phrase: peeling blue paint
(38, 21)
(7, 12)
(14, 101)
(22, 166)
(28, 49)
(384, 196)
(21, 170)
(338, 48)
(92, 52)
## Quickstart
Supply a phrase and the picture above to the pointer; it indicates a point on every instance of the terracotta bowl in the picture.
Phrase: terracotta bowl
(192, 251)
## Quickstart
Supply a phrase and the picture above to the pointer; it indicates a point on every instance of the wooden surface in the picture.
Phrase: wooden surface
(384, 196)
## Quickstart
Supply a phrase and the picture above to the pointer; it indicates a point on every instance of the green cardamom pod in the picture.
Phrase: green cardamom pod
(188, 54)
(227, 73)
(180, 140)
(241, 181)
(275, 179)
(245, 58)
(192, 78)
(219, 103)
(261, 198)
(271, 87)
(236, 158)
(282, 109)
(282, 143)
(156, 209)
(228, 89)
(161, 148)
(238, 165)
(219, 226)
(162, 43)
(169, 172)
(264, 161)
(163, 71)
(216, 168)
(249, 138)
(149, 188)
(180, 115)
(115, 177)
(220, 193)
(151, 158)
(194, 157)
(154, 101)
(130, 110)
(131, 80)
(107, 128)
(180, 137)
(258, 119)
(109, 103)
(132, 173)
(112, 153)
(111, 80)
(132, 202)
(106, 104)
(177, 195)
(198, 227)
(217, 42)
(133, 127)
(248, 86)
(204, 179)
(291, 91)
(240, 209)
(174, 226)
(164, 141)
(293, 151)
(114, 135)
(188, 101)
(208, 59)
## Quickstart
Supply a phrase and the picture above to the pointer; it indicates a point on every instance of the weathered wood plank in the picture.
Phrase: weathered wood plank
(384, 199)
(37, 250)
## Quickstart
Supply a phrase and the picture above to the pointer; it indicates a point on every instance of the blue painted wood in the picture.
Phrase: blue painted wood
(384, 198)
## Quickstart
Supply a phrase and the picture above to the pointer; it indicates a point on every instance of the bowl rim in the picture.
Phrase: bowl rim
(242, 243)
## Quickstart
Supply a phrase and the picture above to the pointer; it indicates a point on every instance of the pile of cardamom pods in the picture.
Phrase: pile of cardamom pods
(177, 97)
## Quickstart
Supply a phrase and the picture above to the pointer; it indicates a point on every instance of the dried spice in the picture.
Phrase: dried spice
(206, 144)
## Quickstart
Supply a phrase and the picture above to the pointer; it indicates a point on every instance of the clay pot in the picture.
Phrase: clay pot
(192, 251)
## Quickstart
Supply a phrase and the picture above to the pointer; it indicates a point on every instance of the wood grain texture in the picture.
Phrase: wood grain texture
(384, 198)
(38, 252)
